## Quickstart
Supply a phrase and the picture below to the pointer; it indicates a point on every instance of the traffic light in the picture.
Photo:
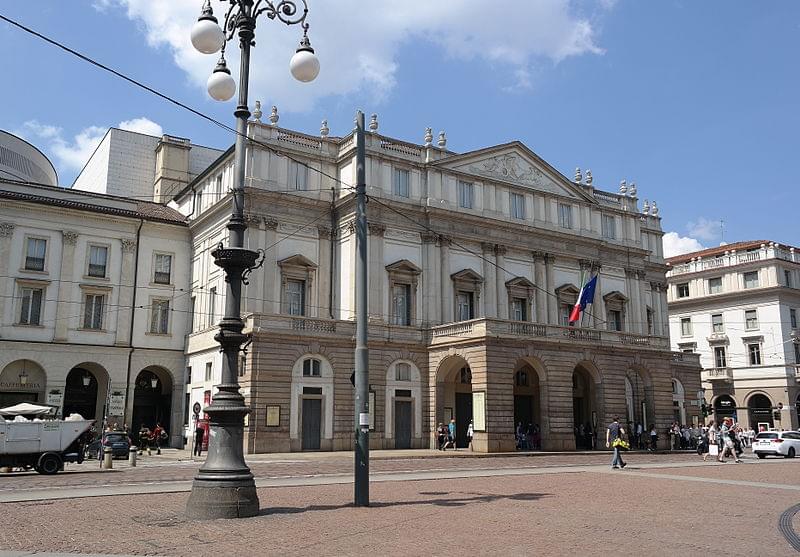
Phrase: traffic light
(704, 409)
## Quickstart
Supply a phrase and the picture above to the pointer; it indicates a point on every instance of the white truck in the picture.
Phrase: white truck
(42, 444)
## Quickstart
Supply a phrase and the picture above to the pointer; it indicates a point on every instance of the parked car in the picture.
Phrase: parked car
(118, 441)
(778, 443)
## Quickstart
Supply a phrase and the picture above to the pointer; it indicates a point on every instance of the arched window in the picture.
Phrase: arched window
(465, 376)
(521, 378)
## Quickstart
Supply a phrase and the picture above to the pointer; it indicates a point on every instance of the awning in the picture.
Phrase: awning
(28, 409)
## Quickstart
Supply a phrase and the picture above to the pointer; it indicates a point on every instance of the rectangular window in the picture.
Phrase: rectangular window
(797, 353)
(298, 176)
(716, 323)
(465, 192)
(98, 257)
(188, 374)
(750, 279)
(787, 277)
(212, 306)
(464, 309)
(401, 304)
(34, 254)
(609, 227)
(93, 311)
(31, 307)
(519, 309)
(614, 320)
(400, 182)
(793, 318)
(295, 297)
(517, 201)
(402, 372)
(564, 312)
(209, 366)
(751, 319)
(564, 215)
(649, 321)
(683, 290)
(163, 269)
(719, 357)
(686, 326)
(311, 367)
(159, 317)
(754, 354)
(715, 285)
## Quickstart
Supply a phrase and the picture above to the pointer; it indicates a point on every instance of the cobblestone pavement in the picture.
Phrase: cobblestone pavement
(664, 512)
(169, 469)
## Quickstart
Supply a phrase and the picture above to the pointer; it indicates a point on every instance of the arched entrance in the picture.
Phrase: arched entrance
(152, 396)
(22, 381)
(454, 396)
(85, 391)
(584, 407)
(527, 406)
(724, 407)
(759, 412)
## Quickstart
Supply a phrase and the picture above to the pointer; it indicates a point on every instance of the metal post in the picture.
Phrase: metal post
(362, 352)
(224, 486)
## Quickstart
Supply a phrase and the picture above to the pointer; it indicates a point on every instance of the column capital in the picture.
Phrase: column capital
(429, 237)
(631, 272)
(70, 237)
(538, 255)
(128, 246)
(444, 242)
(325, 232)
(376, 229)
(549, 258)
(253, 221)
(500, 250)
(585, 264)
(641, 275)
(487, 247)
(6, 229)
(270, 223)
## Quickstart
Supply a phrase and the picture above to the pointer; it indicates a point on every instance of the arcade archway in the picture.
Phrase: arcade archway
(724, 407)
(454, 396)
(584, 407)
(152, 396)
(85, 391)
(528, 405)
(759, 412)
(22, 381)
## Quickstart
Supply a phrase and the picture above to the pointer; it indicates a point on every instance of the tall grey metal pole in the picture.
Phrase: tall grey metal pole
(224, 486)
(361, 481)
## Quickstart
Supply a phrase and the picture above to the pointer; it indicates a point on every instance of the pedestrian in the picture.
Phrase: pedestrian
(158, 436)
(199, 433)
(470, 432)
(726, 432)
(614, 438)
(653, 438)
(144, 439)
(451, 432)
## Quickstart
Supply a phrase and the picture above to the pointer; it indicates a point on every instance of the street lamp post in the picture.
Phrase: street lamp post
(224, 486)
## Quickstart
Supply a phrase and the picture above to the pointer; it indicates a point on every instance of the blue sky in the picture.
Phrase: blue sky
(697, 102)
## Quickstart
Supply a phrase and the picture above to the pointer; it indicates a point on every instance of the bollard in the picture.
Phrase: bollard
(132, 455)
(108, 458)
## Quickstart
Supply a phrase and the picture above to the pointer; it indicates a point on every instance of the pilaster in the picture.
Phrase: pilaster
(446, 292)
(500, 282)
(272, 279)
(126, 291)
(66, 285)
(6, 236)
(552, 301)
(490, 300)
(431, 310)
(376, 273)
(541, 290)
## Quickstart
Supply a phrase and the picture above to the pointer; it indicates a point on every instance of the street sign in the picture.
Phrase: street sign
(196, 408)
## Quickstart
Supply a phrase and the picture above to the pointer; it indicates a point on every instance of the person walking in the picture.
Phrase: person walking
(653, 438)
(726, 432)
(614, 433)
(451, 434)
(470, 432)
(199, 434)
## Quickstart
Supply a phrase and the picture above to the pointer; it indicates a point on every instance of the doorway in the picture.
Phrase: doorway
(312, 423)
(80, 394)
(463, 417)
(151, 402)
(402, 424)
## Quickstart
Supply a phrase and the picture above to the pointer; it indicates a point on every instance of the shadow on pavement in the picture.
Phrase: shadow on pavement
(469, 498)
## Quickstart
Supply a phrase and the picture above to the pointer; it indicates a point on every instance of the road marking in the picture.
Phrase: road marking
(703, 479)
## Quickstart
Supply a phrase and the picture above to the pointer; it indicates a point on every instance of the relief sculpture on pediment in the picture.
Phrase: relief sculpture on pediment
(512, 168)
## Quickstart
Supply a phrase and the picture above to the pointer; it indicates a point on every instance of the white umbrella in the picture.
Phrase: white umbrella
(28, 409)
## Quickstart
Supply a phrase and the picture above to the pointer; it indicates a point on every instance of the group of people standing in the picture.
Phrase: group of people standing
(529, 438)
(727, 439)
(447, 435)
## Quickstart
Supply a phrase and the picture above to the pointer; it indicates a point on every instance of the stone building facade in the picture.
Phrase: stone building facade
(475, 260)
(737, 306)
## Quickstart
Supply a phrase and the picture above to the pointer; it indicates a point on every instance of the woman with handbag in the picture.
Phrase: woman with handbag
(615, 439)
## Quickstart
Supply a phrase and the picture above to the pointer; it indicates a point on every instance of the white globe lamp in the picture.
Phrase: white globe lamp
(304, 65)
(207, 37)
(221, 85)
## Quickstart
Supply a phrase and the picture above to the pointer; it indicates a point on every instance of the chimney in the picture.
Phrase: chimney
(172, 167)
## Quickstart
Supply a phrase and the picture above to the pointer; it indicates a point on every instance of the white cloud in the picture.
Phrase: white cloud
(674, 244)
(72, 154)
(358, 42)
(704, 229)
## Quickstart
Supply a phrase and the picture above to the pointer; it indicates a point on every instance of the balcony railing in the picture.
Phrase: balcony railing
(717, 374)
(728, 259)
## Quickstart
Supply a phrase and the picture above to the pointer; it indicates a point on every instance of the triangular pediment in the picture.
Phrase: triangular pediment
(467, 275)
(515, 164)
(567, 289)
(404, 266)
(296, 260)
(615, 296)
(520, 282)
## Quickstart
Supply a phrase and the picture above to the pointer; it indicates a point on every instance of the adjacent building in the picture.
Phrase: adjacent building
(475, 260)
(737, 307)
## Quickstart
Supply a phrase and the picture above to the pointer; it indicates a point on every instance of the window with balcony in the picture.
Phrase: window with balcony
(467, 287)
(34, 254)
(311, 367)
(609, 227)
(402, 372)
(465, 309)
(159, 317)
(754, 353)
(614, 320)
(564, 311)
(616, 303)
(519, 309)
(98, 259)
(294, 297)
(298, 176)
(715, 285)
(465, 194)
(400, 182)
(716, 323)
(686, 326)
(297, 277)
(649, 321)
(567, 296)
(94, 304)
(521, 292)
(750, 279)
(403, 278)
(517, 203)
(162, 266)
(683, 290)
(720, 359)
(751, 319)
(401, 304)
(793, 318)
(564, 215)
(30, 306)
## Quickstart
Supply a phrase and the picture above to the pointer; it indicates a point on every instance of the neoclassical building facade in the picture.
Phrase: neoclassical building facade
(474, 262)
